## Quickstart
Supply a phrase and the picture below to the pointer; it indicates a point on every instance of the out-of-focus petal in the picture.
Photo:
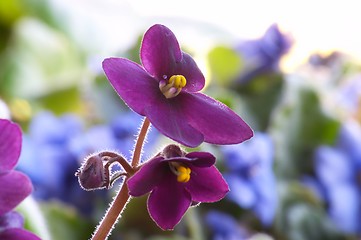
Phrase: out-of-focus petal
(168, 202)
(345, 207)
(133, 84)
(168, 118)
(10, 145)
(264, 184)
(11, 220)
(15, 187)
(47, 128)
(332, 166)
(18, 234)
(206, 184)
(149, 175)
(217, 122)
(241, 191)
(350, 141)
(225, 226)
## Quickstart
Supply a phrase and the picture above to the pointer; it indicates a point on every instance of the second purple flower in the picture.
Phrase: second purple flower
(177, 180)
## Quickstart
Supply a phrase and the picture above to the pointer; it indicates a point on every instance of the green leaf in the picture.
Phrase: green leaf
(65, 223)
(62, 101)
(301, 215)
(225, 64)
(260, 96)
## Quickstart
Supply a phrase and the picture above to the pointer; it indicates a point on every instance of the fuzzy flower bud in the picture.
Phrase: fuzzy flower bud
(91, 174)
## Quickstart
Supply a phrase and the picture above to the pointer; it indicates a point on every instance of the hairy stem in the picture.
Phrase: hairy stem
(122, 198)
(112, 214)
(139, 144)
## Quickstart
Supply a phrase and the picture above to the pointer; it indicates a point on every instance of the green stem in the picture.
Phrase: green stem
(122, 198)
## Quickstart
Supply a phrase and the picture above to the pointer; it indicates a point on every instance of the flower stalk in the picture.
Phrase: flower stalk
(122, 198)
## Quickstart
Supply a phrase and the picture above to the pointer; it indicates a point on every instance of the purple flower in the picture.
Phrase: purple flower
(166, 90)
(15, 186)
(263, 55)
(250, 177)
(176, 180)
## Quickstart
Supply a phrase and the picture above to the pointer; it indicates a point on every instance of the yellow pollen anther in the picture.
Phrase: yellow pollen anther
(173, 87)
(178, 81)
(184, 174)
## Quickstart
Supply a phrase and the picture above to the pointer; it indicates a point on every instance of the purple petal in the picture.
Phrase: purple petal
(133, 84)
(168, 202)
(206, 184)
(15, 187)
(162, 57)
(218, 123)
(189, 69)
(202, 159)
(166, 116)
(198, 159)
(18, 234)
(147, 177)
(160, 51)
(10, 145)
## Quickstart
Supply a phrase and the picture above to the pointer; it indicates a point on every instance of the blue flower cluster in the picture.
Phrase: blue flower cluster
(338, 172)
(55, 146)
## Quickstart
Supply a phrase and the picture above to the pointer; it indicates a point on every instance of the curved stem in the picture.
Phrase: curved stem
(114, 157)
(122, 197)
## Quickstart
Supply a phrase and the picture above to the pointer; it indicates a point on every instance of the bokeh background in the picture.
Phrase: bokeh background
(291, 69)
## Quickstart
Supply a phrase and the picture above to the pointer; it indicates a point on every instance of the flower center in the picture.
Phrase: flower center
(182, 172)
(173, 87)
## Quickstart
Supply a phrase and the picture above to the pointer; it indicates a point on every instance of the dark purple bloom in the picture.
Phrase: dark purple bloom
(15, 186)
(176, 180)
(263, 55)
(250, 176)
(166, 90)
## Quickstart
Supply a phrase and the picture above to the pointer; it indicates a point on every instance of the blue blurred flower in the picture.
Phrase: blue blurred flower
(250, 176)
(224, 226)
(47, 159)
(349, 96)
(54, 148)
(263, 55)
(338, 170)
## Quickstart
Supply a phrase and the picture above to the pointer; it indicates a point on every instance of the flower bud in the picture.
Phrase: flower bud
(173, 150)
(91, 175)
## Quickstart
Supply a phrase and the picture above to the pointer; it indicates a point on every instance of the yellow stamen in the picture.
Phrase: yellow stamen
(173, 87)
(182, 172)
(178, 81)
